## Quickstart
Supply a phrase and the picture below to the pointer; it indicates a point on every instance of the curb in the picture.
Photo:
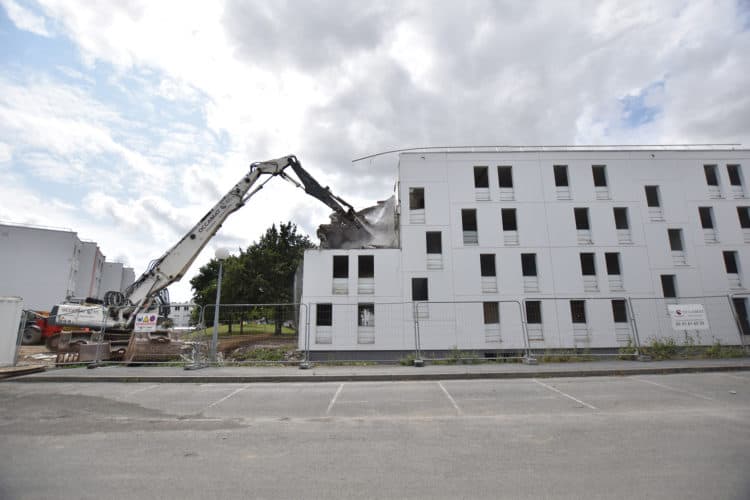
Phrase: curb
(232, 379)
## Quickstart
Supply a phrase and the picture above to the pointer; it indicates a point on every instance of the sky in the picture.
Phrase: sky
(127, 121)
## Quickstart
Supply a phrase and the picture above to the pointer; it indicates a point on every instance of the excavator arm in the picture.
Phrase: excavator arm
(175, 262)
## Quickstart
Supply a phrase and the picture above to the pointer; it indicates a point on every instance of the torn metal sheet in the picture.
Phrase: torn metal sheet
(380, 230)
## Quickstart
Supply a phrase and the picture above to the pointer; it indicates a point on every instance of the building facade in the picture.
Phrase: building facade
(46, 266)
(545, 248)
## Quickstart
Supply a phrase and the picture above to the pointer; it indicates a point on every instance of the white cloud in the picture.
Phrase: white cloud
(6, 152)
(24, 19)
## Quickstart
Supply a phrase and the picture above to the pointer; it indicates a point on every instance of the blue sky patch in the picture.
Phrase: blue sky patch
(643, 107)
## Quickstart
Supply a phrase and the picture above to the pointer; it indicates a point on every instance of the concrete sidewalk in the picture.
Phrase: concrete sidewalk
(322, 373)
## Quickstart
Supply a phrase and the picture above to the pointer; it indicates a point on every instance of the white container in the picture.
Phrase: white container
(10, 318)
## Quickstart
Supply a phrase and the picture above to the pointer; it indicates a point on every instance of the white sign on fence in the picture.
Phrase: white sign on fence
(688, 317)
(145, 322)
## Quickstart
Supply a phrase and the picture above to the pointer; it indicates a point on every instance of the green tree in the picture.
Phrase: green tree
(262, 274)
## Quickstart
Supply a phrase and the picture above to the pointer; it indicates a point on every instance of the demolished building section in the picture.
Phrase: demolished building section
(373, 227)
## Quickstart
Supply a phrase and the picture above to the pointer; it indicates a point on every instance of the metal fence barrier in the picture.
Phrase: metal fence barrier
(409, 332)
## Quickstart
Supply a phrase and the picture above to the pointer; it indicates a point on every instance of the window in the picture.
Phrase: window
(419, 289)
(712, 179)
(740, 307)
(508, 216)
(340, 266)
(469, 219)
(675, 240)
(588, 266)
(735, 176)
(613, 263)
(534, 312)
(744, 215)
(324, 314)
(434, 242)
(561, 175)
(578, 311)
(365, 314)
(491, 313)
(416, 198)
(366, 266)
(528, 264)
(469, 223)
(668, 286)
(730, 262)
(487, 264)
(707, 217)
(652, 196)
(582, 218)
(600, 175)
(619, 311)
(481, 177)
(505, 177)
(621, 218)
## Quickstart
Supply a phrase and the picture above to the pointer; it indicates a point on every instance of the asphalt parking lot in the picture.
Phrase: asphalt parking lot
(648, 436)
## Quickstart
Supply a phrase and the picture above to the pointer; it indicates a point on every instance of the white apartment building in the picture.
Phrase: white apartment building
(88, 283)
(39, 264)
(46, 266)
(569, 247)
(181, 313)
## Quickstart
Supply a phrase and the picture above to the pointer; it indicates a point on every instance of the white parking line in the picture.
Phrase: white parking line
(450, 398)
(141, 390)
(335, 397)
(227, 396)
(674, 389)
(565, 394)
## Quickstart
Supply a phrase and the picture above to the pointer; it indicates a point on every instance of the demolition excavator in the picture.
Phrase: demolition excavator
(117, 313)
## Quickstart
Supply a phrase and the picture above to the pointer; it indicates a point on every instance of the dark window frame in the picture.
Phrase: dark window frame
(434, 242)
(581, 216)
(467, 224)
(578, 312)
(599, 173)
(706, 216)
(509, 219)
(534, 312)
(362, 306)
(623, 217)
(612, 260)
(487, 267)
(711, 172)
(668, 285)
(743, 214)
(368, 269)
(341, 270)
(676, 241)
(653, 196)
(491, 313)
(419, 289)
(731, 264)
(481, 177)
(561, 175)
(734, 172)
(588, 264)
(619, 311)
(505, 176)
(416, 198)
(324, 314)
(528, 264)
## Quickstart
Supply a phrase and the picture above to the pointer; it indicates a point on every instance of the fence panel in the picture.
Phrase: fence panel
(580, 323)
(363, 330)
(250, 334)
(470, 329)
(655, 322)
